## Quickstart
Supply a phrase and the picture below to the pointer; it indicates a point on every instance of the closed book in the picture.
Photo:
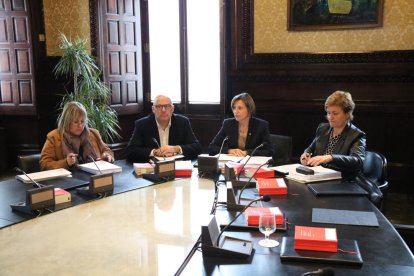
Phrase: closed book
(44, 175)
(261, 173)
(183, 168)
(271, 186)
(62, 196)
(141, 168)
(253, 214)
(315, 238)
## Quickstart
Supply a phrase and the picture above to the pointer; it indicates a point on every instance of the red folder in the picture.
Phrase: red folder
(261, 173)
(316, 239)
(236, 166)
(253, 214)
(271, 186)
(183, 168)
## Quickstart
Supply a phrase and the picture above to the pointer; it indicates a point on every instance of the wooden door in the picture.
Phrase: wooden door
(120, 53)
(17, 87)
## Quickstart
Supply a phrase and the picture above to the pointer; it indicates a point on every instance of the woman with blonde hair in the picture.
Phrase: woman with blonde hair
(73, 142)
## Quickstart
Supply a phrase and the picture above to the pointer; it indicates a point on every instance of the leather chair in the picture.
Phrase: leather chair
(375, 169)
(282, 149)
(29, 163)
(374, 174)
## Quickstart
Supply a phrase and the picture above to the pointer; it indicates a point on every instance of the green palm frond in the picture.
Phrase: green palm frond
(88, 88)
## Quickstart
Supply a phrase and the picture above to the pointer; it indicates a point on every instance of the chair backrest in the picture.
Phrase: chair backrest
(282, 149)
(375, 169)
(29, 163)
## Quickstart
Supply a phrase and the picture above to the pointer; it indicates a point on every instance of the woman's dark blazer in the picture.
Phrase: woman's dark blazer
(258, 133)
(348, 154)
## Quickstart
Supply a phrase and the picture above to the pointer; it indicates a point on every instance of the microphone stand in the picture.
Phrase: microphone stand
(158, 145)
(221, 148)
(35, 184)
(93, 160)
(265, 198)
(247, 183)
(240, 183)
(248, 159)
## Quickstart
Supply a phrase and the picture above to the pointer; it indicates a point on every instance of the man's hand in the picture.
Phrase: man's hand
(167, 151)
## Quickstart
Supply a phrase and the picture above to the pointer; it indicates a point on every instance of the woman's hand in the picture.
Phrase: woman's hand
(71, 159)
(237, 152)
(304, 158)
(320, 159)
(107, 157)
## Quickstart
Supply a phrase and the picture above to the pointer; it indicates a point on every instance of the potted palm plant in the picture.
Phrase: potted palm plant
(88, 89)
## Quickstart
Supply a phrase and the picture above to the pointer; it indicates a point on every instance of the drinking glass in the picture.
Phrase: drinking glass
(267, 225)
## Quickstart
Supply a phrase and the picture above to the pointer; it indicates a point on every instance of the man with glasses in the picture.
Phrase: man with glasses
(162, 134)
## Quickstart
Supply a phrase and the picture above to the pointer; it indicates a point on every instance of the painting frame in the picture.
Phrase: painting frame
(311, 15)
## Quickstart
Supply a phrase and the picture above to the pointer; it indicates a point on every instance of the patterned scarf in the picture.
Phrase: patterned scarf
(81, 145)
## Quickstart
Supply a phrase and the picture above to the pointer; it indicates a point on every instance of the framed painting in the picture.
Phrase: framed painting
(308, 15)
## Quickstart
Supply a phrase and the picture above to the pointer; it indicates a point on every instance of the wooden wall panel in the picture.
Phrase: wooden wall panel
(18, 96)
(290, 90)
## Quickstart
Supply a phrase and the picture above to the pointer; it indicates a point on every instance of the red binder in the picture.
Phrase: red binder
(316, 239)
(253, 214)
(183, 168)
(236, 166)
(261, 173)
(271, 186)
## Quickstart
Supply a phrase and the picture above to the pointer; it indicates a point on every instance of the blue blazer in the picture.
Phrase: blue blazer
(258, 134)
(141, 143)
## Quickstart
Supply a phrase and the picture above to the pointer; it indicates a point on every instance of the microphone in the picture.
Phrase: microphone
(250, 179)
(221, 148)
(93, 160)
(156, 142)
(245, 163)
(327, 271)
(35, 184)
(264, 198)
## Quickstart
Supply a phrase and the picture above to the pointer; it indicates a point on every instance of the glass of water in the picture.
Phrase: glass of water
(267, 225)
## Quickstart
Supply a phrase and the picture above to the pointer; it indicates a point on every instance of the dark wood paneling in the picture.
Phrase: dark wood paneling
(17, 89)
(290, 89)
(120, 53)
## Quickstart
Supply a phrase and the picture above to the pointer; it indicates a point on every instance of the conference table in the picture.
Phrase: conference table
(146, 229)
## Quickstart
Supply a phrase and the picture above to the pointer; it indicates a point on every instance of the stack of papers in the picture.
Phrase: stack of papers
(43, 175)
(174, 157)
(100, 167)
(321, 173)
(255, 160)
(141, 168)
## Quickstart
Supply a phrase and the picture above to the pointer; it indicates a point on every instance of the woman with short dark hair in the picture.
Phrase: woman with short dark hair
(338, 144)
(245, 132)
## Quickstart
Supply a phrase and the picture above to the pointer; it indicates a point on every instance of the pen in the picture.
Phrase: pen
(307, 155)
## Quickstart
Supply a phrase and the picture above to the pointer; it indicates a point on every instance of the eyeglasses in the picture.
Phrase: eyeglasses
(163, 106)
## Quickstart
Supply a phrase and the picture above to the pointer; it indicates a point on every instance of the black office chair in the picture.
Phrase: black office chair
(375, 169)
(29, 163)
(282, 149)
(374, 172)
